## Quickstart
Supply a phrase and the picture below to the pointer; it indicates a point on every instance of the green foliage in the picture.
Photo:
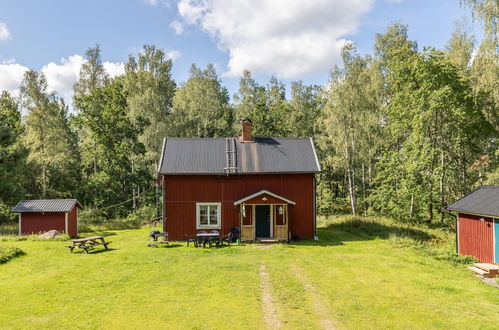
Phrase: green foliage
(149, 91)
(103, 115)
(12, 155)
(53, 154)
(8, 253)
(201, 106)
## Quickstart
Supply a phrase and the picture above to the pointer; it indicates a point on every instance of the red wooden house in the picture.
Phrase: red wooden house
(39, 216)
(265, 186)
(478, 224)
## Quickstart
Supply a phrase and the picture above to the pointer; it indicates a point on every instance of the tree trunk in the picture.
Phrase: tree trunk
(411, 209)
(351, 189)
(364, 189)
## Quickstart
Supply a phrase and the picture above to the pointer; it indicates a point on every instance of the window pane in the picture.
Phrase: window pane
(213, 215)
(203, 215)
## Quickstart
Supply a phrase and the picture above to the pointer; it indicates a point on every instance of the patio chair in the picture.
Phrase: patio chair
(226, 238)
(201, 240)
(190, 239)
(214, 240)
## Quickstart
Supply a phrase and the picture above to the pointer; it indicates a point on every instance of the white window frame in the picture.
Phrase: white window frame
(219, 216)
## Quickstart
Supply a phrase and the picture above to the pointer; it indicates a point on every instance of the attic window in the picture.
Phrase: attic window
(208, 215)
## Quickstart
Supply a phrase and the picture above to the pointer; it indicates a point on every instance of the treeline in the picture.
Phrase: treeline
(400, 132)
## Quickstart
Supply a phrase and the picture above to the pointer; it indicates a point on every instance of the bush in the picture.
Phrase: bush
(95, 220)
(8, 253)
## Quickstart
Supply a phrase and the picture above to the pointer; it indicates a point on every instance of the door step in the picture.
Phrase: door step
(491, 268)
(479, 270)
(267, 240)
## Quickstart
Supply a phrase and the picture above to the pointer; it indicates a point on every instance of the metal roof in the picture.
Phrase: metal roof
(264, 155)
(46, 205)
(482, 201)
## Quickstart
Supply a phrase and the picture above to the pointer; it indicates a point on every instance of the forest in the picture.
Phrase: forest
(400, 132)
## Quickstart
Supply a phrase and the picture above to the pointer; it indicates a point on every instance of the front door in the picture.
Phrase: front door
(262, 219)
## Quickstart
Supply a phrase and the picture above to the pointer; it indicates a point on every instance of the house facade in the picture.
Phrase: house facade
(477, 230)
(264, 186)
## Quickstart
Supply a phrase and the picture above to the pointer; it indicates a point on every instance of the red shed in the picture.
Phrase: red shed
(265, 186)
(478, 224)
(38, 216)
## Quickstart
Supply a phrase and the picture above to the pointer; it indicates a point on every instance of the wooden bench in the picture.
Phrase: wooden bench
(88, 243)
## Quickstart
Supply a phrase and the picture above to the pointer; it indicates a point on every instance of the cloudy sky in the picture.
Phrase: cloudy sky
(291, 39)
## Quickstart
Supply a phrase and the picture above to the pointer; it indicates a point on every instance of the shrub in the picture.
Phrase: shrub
(8, 253)
(95, 220)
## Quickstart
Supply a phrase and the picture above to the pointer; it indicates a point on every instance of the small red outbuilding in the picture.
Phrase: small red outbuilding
(478, 224)
(39, 216)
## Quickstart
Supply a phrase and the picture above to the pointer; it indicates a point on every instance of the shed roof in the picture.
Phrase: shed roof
(46, 205)
(264, 155)
(483, 201)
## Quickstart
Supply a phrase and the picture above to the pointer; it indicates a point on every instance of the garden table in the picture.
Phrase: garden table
(88, 243)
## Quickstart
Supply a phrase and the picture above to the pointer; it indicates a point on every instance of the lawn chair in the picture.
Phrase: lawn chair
(214, 240)
(201, 240)
(191, 239)
(226, 238)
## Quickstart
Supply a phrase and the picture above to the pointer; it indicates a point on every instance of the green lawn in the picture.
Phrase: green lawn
(361, 281)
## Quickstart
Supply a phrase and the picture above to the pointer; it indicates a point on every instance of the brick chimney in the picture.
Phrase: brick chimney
(247, 136)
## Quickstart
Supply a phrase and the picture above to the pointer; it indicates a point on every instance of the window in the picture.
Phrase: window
(208, 215)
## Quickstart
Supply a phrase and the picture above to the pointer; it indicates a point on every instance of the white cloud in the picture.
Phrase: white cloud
(11, 76)
(114, 69)
(164, 3)
(173, 54)
(177, 26)
(289, 38)
(60, 76)
(4, 32)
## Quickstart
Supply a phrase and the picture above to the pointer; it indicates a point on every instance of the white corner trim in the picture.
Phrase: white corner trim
(261, 192)
(315, 154)
(219, 216)
(77, 222)
(20, 231)
(161, 157)
(66, 221)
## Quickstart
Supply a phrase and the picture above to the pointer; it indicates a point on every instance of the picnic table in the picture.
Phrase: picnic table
(156, 235)
(210, 238)
(88, 243)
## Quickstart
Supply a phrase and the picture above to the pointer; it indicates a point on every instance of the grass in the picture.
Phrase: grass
(367, 273)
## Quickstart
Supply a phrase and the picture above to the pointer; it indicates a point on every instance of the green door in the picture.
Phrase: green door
(262, 219)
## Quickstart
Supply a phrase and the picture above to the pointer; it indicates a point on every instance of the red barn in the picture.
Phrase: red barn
(265, 186)
(39, 216)
(478, 224)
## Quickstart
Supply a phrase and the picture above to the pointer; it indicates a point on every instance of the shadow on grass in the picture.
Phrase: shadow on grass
(93, 251)
(364, 230)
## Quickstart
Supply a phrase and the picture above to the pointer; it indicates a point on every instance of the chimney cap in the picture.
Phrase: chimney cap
(246, 121)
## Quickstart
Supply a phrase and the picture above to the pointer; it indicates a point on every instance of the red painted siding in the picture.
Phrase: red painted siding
(73, 222)
(34, 223)
(475, 237)
(182, 192)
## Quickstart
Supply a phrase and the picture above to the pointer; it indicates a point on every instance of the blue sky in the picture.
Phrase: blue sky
(294, 40)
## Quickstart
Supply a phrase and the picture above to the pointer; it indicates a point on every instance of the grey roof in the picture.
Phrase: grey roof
(46, 205)
(264, 155)
(482, 201)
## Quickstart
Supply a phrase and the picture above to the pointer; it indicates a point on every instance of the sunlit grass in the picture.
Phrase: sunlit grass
(365, 279)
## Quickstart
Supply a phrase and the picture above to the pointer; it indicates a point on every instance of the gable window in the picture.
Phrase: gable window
(208, 215)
